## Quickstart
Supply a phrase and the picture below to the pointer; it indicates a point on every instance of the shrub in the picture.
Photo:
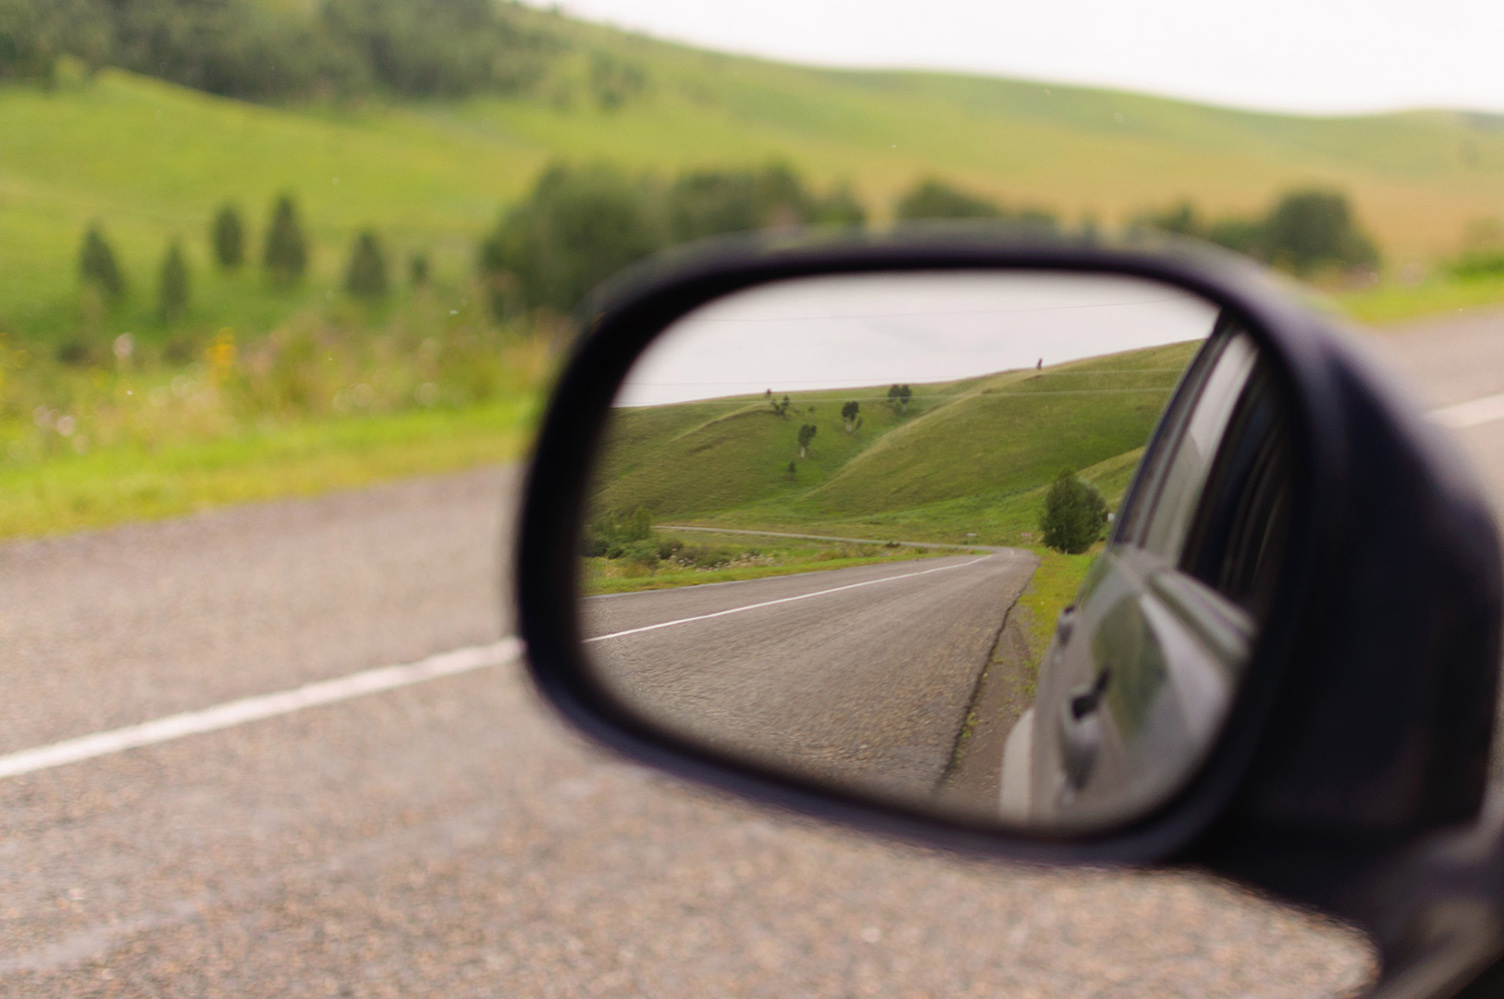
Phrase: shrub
(366, 275)
(614, 532)
(1181, 219)
(417, 270)
(712, 202)
(806, 437)
(286, 253)
(1241, 235)
(934, 199)
(228, 238)
(1310, 229)
(97, 266)
(643, 552)
(840, 208)
(574, 229)
(614, 81)
(1075, 514)
(172, 297)
(704, 556)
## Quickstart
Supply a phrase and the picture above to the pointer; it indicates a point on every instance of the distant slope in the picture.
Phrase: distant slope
(1011, 432)
(976, 454)
(152, 160)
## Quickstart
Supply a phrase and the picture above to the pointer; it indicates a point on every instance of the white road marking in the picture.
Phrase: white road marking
(781, 600)
(1470, 413)
(249, 709)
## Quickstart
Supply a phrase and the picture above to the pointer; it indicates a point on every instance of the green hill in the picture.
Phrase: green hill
(152, 161)
(972, 456)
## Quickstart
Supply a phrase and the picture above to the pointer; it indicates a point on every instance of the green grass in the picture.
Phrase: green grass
(74, 492)
(1394, 302)
(1051, 589)
(969, 458)
(738, 557)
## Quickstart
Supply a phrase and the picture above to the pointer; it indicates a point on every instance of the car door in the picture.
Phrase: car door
(1145, 662)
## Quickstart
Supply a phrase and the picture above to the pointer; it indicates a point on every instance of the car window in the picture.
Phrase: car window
(1177, 488)
(1237, 536)
(1139, 503)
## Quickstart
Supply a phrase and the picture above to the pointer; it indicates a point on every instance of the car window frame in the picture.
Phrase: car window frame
(1145, 505)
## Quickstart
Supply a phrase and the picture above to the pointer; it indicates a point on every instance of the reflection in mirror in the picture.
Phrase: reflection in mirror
(889, 534)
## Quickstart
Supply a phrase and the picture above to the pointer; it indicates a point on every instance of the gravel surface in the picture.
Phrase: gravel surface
(451, 839)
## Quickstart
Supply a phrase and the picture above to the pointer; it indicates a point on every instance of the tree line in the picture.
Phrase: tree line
(284, 259)
(1304, 231)
(255, 50)
(580, 224)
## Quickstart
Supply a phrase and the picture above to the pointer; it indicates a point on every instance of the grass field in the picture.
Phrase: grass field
(72, 492)
(1393, 303)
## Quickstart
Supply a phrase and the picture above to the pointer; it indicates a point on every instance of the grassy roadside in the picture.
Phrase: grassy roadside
(1052, 588)
(1392, 302)
(199, 459)
(692, 559)
(1010, 679)
(73, 492)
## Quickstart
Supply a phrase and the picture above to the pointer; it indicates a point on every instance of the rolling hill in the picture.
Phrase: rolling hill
(972, 456)
(152, 161)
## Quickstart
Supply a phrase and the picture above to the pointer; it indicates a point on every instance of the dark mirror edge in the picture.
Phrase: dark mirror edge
(1334, 395)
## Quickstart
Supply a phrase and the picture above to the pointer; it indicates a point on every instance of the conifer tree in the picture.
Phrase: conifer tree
(228, 237)
(366, 275)
(417, 270)
(96, 265)
(286, 254)
(173, 290)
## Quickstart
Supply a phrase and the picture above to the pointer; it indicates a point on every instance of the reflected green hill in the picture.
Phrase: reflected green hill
(965, 457)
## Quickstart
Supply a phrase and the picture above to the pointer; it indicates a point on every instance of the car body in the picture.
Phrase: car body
(1145, 662)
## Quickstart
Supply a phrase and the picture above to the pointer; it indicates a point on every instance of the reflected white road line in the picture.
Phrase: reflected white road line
(781, 600)
(248, 709)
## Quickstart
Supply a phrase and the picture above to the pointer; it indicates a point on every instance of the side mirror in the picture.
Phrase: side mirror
(1053, 551)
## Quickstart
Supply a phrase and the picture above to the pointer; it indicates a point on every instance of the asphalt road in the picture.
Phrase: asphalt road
(860, 676)
(450, 838)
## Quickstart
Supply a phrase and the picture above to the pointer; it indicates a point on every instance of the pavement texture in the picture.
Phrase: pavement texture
(452, 839)
(861, 677)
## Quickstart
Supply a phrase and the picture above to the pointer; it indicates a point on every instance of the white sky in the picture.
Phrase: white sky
(1320, 56)
(875, 330)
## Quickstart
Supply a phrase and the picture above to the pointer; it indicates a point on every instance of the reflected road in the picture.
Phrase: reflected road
(862, 674)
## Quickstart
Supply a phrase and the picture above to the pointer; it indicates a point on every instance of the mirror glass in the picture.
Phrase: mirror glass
(903, 536)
